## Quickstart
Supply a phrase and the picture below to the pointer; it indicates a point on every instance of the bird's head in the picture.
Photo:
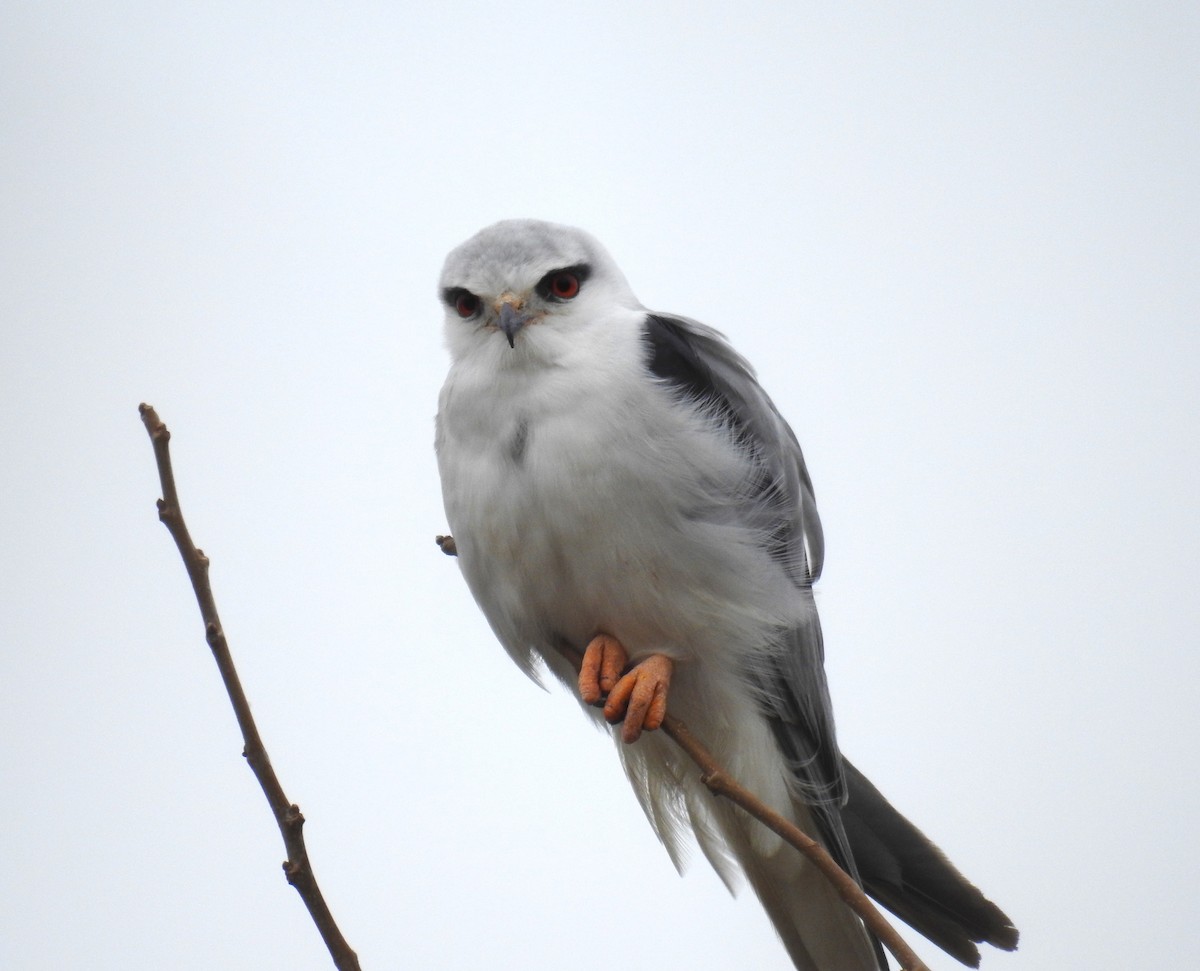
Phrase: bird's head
(524, 284)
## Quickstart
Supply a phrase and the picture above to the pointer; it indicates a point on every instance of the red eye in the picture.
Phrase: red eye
(466, 304)
(564, 285)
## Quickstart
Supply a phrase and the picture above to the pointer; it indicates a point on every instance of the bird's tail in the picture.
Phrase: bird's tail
(912, 878)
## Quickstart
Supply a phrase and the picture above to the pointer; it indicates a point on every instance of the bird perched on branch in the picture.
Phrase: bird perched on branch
(616, 479)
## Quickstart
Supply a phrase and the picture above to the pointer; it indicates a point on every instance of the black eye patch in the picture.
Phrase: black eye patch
(555, 284)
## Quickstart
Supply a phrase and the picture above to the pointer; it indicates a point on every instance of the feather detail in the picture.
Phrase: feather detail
(609, 470)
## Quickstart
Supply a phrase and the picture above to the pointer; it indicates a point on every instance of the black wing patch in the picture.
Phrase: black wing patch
(674, 359)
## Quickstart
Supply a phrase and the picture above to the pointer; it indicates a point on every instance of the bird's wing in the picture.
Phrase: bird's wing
(699, 361)
(701, 365)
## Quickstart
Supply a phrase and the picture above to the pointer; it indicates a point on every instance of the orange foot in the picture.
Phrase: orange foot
(640, 697)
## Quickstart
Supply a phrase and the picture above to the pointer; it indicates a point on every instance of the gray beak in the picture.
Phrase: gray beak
(511, 321)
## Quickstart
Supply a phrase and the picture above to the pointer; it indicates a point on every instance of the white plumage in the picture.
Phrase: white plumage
(610, 471)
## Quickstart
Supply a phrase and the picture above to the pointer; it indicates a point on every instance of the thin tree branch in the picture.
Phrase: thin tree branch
(720, 783)
(296, 868)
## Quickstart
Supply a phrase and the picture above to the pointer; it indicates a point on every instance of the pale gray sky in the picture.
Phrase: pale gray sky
(960, 243)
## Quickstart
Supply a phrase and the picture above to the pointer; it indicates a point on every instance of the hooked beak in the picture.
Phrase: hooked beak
(511, 318)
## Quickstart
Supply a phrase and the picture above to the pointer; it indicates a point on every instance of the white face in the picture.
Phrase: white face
(520, 285)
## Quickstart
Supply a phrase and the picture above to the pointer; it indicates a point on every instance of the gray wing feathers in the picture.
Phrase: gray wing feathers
(698, 360)
(910, 876)
(891, 858)
(792, 691)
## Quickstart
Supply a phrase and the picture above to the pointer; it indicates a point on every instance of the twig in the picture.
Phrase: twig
(296, 868)
(720, 783)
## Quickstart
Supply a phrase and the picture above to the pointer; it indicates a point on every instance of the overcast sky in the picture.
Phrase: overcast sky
(960, 242)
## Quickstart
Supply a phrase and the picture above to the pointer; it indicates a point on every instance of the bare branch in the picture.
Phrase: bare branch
(720, 783)
(296, 868)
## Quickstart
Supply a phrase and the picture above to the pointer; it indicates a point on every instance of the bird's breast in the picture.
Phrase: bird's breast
(580, 508)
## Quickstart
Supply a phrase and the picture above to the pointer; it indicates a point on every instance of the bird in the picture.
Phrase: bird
(617, 481)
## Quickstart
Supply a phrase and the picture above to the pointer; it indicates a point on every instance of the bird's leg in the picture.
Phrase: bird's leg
(639, 696)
